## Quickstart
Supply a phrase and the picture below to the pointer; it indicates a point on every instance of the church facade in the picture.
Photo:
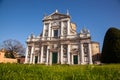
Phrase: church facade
(59, 43)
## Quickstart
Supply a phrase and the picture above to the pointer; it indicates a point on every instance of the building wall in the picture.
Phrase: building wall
(6, 60)
(95, 51)
(95, 48)
(59, 36)
(21, 60)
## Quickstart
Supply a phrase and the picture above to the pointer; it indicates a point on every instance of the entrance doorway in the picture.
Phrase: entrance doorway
(75, 59)
(54, 57)
(36, 59)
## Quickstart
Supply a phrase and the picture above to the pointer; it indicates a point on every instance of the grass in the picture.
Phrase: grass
(59, 72)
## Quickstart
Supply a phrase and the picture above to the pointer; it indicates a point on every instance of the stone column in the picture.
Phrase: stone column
(26, 56)
(31, 55)
(41, 61)
(72, 59)
(52, 32)
(61, 54)
(38, 61)
(47, 55)
(90, 55)
(50, 58)
(78, 58)
(33, 58)
(82, 54)
(68, 54)
(58, 57)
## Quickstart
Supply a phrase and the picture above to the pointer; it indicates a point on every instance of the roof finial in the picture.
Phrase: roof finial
(44, 15)
(85, 30)
(56, 11)
(67, 12)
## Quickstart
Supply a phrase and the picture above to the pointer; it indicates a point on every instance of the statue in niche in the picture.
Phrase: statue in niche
(65, 30)
(46, 32)
(55, 46)
(65, 50)
(45, 49)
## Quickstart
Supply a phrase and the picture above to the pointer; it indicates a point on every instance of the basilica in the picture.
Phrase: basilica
(59, 43)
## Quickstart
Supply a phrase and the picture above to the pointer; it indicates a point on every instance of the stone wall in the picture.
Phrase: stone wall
(6, 60)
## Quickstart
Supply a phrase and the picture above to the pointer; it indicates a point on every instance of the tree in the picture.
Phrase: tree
(111, 46)
(13, 48)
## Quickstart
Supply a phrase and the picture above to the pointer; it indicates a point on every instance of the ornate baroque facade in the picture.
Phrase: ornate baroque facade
(59, 43)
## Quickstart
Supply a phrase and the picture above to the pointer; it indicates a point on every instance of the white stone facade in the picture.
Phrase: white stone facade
(59, 43)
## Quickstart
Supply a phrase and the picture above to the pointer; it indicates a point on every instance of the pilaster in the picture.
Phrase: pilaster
(90, 55)
(82, 54)
(41, 61)
(47, 55)
(52, 32)
(26, 56)
(61, 29)
(49, 28)
(61, 54)
(58, 59)
(68, 23)
(72, 59)
(38, 61)
(33, 59)
(78, 58)
(50, 58)
(43, 35)
(68, 54)
(31, 55)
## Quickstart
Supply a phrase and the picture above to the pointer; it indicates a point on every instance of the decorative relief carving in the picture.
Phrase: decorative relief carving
(55, 17)
(65, 28)
(65, 50)
(86, 49)
(29, 50)
(55, 23)
(74, 49)
(65, 31)
(46, 32)
(54, 47)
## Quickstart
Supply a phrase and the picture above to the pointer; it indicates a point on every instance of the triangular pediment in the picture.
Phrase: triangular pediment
(56, 15)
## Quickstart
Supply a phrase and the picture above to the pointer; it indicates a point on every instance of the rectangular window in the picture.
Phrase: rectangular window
(55, 33)
(85, 44)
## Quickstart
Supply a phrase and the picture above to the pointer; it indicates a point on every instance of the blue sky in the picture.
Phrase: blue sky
(20, 18)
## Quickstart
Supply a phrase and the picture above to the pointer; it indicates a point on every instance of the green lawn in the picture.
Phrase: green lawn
(59, 72)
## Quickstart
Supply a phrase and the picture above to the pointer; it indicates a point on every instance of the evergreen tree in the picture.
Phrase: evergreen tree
(111, 46)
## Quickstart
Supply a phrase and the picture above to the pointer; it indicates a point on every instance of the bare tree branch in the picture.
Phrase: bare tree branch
(13, 46)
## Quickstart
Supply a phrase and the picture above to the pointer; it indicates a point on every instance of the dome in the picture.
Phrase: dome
(32, 36)
(84, 31)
